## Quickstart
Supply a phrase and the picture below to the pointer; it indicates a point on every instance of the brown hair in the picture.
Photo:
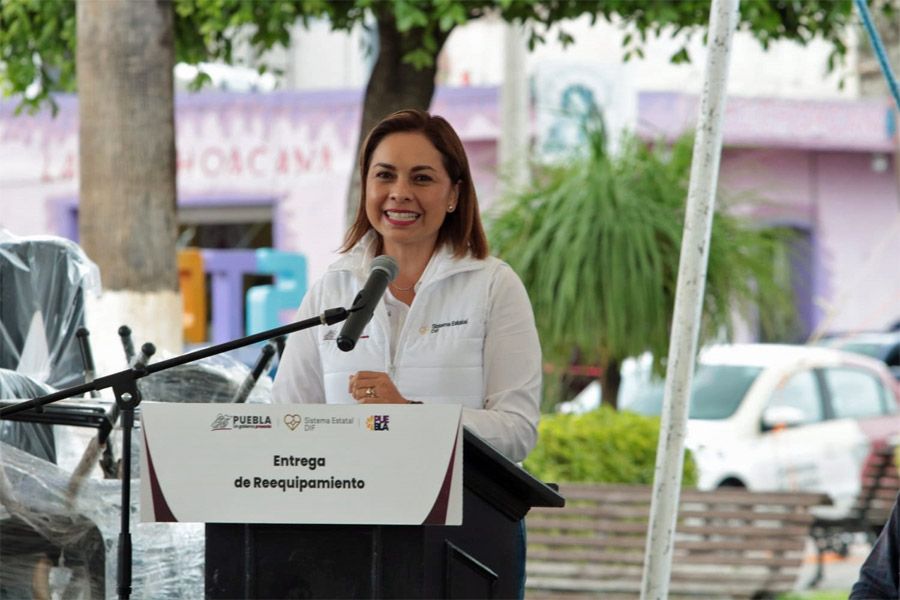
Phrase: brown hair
(462, 229)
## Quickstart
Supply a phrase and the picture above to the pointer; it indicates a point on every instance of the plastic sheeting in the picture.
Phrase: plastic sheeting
(35, 438)
(43, 280)
(69, 545)
(215, 379)
(59, 537)
(70, 540)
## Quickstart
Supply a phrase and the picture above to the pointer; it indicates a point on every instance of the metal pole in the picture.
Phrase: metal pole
(513, 146)
(688, 303)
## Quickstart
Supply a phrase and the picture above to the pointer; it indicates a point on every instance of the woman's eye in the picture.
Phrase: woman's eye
(383, 175)
(423, 178)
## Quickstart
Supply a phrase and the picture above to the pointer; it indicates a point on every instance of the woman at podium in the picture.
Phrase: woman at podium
(454, 327)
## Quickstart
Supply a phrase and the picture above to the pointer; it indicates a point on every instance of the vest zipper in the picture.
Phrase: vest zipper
(401, 336)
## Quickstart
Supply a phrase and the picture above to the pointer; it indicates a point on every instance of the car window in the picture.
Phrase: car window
(800, 391)
(717, 392)
(868, 348)
(854, 393)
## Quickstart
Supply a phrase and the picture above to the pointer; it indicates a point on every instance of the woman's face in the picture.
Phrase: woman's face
(408, 192)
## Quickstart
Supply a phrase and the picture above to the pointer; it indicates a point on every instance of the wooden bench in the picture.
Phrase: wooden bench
(729, 543)
(870, 510)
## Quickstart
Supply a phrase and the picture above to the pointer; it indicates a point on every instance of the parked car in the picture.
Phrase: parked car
(775, 417)
(883, 345)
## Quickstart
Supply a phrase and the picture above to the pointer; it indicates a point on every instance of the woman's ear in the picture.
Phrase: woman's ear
(454, 197)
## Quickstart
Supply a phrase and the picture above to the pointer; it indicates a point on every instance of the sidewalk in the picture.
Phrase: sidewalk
(839, 573)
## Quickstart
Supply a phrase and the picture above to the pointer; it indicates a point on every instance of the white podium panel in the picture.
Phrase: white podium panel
(301, 463)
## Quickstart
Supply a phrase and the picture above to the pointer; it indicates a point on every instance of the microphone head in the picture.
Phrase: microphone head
(387, 265)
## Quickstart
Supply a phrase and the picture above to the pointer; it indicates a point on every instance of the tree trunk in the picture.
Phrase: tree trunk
(393, 84)
(610, 379)
(127, 220)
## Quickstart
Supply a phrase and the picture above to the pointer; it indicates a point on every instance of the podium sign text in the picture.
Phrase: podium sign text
(301, 463)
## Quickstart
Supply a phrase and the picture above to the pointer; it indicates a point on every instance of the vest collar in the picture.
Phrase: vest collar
(441, 265)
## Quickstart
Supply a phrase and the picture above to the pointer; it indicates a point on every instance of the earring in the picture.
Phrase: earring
(450, 208)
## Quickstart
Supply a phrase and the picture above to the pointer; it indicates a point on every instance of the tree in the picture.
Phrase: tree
(125, 54)
(597, 243)
(125, 61)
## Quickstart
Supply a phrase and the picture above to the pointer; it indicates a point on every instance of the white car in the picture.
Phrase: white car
(775, 417)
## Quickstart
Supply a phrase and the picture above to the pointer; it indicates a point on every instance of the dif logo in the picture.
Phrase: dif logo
(292, 421)
(378, 422)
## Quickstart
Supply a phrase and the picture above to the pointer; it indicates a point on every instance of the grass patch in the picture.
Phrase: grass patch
(816, 595)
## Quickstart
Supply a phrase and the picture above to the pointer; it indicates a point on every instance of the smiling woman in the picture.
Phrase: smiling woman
(454, 327)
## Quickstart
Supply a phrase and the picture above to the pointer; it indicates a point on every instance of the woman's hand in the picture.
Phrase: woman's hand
(374, 387)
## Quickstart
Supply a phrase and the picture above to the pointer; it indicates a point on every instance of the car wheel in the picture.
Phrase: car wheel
(732, 482)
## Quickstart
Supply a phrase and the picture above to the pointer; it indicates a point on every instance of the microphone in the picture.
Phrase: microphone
(127, 344)
(87, 358)
(262, 365)
(384, 270)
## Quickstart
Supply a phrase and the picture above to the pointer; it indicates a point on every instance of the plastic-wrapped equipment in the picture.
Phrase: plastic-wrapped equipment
(43, 280)
(69, 544)
(34, 438)
(58, 539)
(216, 379)
(69, 541)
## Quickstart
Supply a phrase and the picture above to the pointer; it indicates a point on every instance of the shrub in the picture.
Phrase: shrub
(602, 446)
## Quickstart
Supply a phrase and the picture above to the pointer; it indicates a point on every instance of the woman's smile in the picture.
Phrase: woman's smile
(401, 218)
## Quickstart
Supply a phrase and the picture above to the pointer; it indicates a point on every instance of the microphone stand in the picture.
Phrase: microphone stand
(124, 385)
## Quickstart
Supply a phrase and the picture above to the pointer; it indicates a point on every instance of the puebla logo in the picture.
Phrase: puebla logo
(224, 422)
(221, 422)
(378, 423)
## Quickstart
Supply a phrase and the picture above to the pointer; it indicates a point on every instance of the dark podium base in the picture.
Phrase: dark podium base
(474, 560)
(363, 561)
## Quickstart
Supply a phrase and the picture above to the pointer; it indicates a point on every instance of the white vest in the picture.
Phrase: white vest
(439, 350)
(468, 338)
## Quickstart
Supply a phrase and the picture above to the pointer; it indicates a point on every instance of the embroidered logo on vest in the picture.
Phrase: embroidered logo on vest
(435, 327)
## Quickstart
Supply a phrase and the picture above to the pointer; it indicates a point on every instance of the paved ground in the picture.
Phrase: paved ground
(839, 573)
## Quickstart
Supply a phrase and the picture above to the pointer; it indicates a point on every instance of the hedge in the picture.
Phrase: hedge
(601, 446)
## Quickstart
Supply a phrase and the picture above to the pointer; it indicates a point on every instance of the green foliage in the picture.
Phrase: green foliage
(597, 243)
(602, 446)
(766, 20)
(816, 595)
(37, 46)
(37, 37)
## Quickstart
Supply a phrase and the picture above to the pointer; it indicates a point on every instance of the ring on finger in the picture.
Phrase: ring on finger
(370, 392)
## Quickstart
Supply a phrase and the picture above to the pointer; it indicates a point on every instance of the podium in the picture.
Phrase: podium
(474, 560)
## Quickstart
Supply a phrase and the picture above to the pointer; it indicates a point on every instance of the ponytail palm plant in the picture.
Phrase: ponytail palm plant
(597, 240)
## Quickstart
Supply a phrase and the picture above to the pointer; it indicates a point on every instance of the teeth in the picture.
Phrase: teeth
(401, 216)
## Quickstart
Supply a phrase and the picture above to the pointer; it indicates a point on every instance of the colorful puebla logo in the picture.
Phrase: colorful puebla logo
(292, 421)
(377, 422)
